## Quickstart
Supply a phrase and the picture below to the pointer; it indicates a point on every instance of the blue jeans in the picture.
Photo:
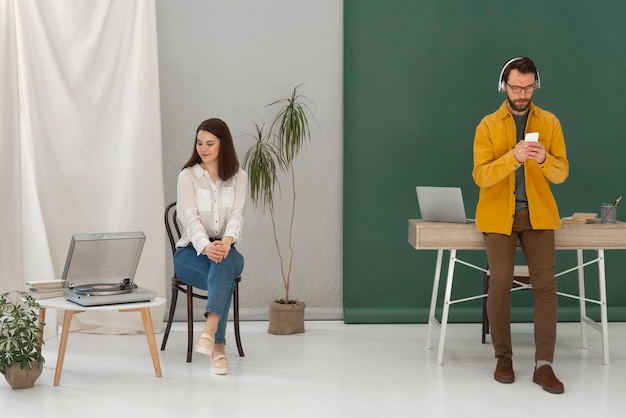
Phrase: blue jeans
(217, 278)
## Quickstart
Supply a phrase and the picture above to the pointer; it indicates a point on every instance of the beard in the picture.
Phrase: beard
(519, 105)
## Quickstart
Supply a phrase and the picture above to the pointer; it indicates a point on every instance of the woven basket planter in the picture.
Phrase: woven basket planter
(286, 318)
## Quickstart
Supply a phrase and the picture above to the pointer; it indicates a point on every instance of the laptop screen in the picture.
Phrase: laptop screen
(441, 204)
(102, 258)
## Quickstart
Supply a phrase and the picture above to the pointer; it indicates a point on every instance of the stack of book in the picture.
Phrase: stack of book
(581, 218)
(45, 289)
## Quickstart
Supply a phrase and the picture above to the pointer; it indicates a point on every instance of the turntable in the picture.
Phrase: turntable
(100, 269)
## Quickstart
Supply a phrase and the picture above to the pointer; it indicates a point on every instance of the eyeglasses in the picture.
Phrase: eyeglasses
(518, 89)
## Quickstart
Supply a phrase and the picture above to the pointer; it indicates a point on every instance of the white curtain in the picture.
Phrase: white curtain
(80, 145)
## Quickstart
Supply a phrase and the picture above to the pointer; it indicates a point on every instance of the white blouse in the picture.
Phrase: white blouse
(208, 209)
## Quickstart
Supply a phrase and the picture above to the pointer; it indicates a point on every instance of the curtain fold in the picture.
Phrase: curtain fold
(83, 135)
(10, 177)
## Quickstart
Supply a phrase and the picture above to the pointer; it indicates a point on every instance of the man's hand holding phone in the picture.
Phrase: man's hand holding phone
(530, 148)
(533, 149)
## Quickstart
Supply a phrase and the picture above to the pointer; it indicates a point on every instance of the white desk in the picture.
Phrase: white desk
(71, 309)
(452, 237)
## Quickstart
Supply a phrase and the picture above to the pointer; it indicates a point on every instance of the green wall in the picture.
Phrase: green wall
(418, 77)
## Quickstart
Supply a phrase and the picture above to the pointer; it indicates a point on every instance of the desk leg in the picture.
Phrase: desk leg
(603, 310)
(42, 319)
(67, 320)
(581, 300)
(433, 300)
(446, 306)
(147, 325)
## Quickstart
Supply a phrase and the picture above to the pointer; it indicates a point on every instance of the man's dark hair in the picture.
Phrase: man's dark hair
(524, 65)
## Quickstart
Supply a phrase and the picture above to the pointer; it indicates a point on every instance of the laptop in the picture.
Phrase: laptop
(442, 204)
(100, 269)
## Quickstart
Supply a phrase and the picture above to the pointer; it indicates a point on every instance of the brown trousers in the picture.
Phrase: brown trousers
(539, 251)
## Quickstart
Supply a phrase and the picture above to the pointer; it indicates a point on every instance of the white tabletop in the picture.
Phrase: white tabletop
(64, 304)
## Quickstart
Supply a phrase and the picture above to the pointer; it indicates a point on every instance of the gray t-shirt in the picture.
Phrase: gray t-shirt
(521, 201)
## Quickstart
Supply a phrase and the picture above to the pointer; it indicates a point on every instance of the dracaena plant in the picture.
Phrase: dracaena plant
(274, 152)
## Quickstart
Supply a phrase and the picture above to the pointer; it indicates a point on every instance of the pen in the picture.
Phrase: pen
(608, 212)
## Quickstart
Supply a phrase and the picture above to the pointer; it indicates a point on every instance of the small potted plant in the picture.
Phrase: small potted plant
(21, 361)
(271, 153)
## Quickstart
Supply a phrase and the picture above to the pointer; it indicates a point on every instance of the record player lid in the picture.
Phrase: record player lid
(102, 258)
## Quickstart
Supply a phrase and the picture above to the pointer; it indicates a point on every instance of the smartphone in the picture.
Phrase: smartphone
(531, 137)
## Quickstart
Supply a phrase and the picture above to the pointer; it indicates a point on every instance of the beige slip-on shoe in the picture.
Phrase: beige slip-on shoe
(205, 345)
(219, 364)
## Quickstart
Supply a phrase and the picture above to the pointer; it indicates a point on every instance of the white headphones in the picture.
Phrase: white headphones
(502, 83)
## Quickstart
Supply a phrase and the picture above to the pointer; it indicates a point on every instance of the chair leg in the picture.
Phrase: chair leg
(236, 319)
(189, 323)
(485, 316)
(171, 317)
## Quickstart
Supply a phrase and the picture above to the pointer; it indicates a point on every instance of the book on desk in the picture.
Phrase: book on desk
(45, 289)
(581, 218)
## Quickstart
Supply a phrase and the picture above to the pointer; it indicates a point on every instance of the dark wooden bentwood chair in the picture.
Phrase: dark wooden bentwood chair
(521, 281)
(173, 232)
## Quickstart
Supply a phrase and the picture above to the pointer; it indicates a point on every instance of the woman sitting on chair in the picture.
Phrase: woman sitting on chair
(211, 193)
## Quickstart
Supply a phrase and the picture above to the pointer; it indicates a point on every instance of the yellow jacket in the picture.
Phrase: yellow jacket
(495, 165)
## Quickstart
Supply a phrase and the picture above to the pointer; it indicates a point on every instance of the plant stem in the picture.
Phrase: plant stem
(293, 215)
(286, 276)
(280, 256)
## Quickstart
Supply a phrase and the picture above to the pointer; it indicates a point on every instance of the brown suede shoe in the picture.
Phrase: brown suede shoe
(504, 370)
(545, 377)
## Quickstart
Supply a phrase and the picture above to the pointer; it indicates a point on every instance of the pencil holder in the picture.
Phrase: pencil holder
(611, 210)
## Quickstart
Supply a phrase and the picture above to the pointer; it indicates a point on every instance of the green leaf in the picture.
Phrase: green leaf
(262, 161)
(20, 335)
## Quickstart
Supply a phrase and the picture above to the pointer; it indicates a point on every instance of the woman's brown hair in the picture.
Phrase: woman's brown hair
(227, 162)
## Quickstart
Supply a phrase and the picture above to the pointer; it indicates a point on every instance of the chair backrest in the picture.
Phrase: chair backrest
(171, 225)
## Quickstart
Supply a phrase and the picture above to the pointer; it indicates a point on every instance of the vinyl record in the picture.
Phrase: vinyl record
(102, 289)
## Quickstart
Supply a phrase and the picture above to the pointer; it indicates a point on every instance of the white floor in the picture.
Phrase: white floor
(332, 370)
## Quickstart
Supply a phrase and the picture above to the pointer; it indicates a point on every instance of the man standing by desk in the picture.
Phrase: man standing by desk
(516, 205)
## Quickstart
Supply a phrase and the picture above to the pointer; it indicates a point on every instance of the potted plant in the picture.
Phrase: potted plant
(21, 361)
(272, 153)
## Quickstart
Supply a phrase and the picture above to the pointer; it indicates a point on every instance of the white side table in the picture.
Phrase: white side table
(71, 309)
